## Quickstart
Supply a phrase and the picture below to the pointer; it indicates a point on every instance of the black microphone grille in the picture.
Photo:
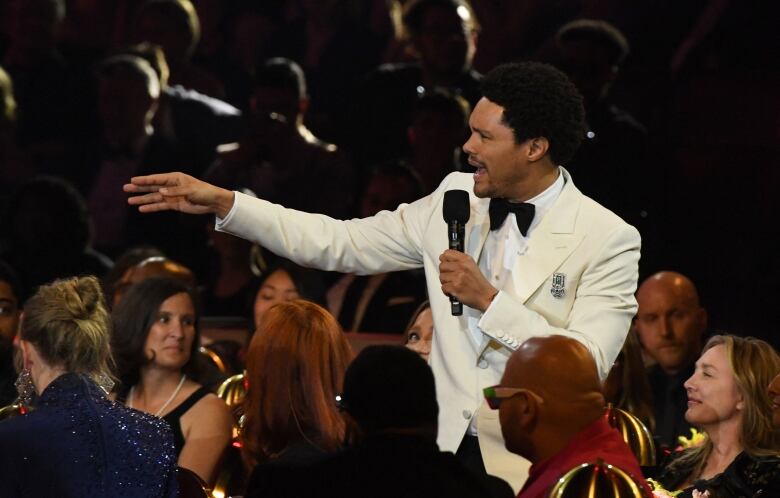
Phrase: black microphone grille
(456, 206)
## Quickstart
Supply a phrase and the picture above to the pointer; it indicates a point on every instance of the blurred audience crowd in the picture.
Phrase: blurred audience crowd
(347, 108)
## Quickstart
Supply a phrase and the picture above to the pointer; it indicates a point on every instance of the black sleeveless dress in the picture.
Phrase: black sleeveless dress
(174, 417)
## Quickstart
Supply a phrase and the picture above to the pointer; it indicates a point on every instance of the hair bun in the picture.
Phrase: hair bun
(81, 298)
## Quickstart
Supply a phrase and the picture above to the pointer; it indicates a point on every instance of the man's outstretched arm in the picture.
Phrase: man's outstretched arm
(178, 192)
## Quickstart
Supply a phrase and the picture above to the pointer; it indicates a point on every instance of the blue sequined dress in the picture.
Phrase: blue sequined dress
(77, 443)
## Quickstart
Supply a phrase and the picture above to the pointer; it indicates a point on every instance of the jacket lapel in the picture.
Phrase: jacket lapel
(551, 242)
(478, 227)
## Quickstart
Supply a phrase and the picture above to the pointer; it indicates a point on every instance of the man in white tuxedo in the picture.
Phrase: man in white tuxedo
(560, 264)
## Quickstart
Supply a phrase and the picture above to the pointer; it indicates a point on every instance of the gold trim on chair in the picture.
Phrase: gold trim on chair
(635, 433)
(11, 411)
(213, 358)
(600, 479)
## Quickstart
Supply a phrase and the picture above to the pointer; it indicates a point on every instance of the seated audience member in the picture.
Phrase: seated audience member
(670, 324)
(740, 455)
(627, 387)
(197, 123)
(46, 228)
(155, 343)
(279, 159)
(112, 281)
(546, 381)
(295, 367)
(10, 311)
(76, 442)
(152, 266)
(15, 166)
(390, 396)
(232, 282)
(48, 96)
(174, 25)
(612, 164)
(127, 144)
(774, 399)
(382, 302)
(444, 35)
(438, 128)
(419, 333)
(286, 281)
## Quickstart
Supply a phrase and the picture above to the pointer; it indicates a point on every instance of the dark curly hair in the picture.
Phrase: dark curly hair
(538, 101)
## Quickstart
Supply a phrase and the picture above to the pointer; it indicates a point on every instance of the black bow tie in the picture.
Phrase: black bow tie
(500, 208)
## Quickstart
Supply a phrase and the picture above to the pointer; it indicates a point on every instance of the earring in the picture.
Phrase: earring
(104, 382)
(25, 387)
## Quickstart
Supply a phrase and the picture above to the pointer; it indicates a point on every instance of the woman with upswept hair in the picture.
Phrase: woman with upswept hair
(740, 455)
(77, 442)
(295, 367)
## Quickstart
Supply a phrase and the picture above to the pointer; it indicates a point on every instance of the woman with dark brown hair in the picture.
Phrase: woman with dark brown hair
(295, 368)
(627, 386)
(155, 343)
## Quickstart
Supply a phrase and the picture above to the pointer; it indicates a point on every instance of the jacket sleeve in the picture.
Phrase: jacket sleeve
(603, 306)
(388, 241)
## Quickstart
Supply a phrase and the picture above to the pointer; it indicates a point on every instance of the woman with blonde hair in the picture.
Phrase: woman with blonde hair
(740, 455)
(76, 442)
(295, 367)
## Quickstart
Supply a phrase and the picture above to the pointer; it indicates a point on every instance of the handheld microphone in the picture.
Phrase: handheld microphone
(456, 212)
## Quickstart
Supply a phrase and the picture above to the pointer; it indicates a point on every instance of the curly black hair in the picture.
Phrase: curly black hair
(538, 101)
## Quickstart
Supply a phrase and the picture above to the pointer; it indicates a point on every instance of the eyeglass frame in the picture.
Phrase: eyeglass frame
(494, 395)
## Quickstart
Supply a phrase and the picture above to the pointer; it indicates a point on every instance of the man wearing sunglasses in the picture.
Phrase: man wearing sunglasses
(551, 409)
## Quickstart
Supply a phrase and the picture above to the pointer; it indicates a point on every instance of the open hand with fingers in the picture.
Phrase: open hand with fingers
(178, 192)
(460, 277)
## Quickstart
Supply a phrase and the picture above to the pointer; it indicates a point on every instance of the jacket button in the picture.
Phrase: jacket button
(467, 414)
(483, 364)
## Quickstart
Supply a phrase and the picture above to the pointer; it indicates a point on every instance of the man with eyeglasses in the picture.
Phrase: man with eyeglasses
(551, 409)
(670, 324)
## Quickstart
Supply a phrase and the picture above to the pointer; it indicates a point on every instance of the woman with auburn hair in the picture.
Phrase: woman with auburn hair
(295, 367)
(76, 442)
(740, 455)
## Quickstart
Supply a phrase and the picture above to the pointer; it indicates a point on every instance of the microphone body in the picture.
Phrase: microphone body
(456, 232)
(456, 211)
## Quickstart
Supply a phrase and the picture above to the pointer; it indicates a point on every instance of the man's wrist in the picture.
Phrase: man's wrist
(225, 201)
(490, 299)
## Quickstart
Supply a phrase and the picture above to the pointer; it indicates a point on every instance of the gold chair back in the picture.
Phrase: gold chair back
(11, 411)
(214, 358)
(635, 434)
(597, 480)
(233, 390)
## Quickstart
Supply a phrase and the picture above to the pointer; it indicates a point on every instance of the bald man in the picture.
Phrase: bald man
(552, 413)
(670, 324)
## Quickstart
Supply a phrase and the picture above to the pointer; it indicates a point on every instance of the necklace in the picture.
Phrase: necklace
(165, 405)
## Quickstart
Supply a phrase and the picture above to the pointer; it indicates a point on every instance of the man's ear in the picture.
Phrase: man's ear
(527, 410)
(537, 148)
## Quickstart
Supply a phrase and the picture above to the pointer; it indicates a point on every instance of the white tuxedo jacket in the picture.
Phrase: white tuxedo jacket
(577, 278)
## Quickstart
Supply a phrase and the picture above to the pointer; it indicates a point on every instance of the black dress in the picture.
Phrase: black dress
(174, 417)
(745, 477)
